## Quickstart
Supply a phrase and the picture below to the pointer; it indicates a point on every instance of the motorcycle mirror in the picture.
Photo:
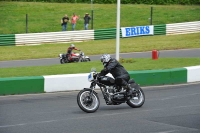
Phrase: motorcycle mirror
(93, 69)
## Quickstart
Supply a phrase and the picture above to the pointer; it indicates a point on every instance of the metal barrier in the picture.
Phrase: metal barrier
(183, 28)
(84, 35)
(54, 37)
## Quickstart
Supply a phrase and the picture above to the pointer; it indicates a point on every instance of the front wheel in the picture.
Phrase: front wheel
(62, 61)
(137, 99)
(87, 59)
(87, 101)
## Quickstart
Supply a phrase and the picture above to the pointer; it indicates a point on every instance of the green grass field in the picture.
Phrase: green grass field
(84, 67)
(135, 44)
(45, 17)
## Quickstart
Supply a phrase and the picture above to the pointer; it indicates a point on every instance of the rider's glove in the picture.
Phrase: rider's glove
(105, 69)
(98, 75)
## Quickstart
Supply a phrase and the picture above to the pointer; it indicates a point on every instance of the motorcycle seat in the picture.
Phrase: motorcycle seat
(131, 81)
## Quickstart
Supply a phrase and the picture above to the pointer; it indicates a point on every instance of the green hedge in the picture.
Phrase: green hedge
(156, 2)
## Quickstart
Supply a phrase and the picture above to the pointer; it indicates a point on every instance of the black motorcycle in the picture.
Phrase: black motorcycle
(88, 99)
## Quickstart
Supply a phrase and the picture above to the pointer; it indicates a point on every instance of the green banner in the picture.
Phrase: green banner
(6, 40)
(102, 34)
(160, 29)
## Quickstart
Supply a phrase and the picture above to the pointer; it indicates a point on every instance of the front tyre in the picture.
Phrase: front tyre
(62, 61)
(87, 101)
(137, 99)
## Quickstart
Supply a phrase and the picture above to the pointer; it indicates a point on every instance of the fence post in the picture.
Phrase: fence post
(26, 23)
(92, 14)
(92, 20)
(151, 16)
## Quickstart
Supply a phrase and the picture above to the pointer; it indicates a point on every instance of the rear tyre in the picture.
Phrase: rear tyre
(81, 60)
(137, 99)
(86, 102)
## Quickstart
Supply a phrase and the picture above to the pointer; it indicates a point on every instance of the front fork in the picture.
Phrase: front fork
(92, 86)
(105, 95)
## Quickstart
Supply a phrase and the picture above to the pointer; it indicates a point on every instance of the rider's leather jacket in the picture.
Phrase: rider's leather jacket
(115, 68)
(69, 50)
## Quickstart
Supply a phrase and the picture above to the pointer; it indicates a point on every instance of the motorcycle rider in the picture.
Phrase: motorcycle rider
(121, 76)
(69, 51)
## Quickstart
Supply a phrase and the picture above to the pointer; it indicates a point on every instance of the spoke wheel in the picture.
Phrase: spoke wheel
(62, 61)
(88, 102)
(137, 99)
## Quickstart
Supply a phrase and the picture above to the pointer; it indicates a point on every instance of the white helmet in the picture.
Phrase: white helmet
(105, 58)
(72, 45)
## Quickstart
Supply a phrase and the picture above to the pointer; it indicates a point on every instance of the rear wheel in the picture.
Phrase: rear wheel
(81, 60)
(88, 102)
(137, 99)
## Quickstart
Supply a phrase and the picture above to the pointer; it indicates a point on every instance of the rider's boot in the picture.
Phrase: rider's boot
(69, 57)
(129, 90)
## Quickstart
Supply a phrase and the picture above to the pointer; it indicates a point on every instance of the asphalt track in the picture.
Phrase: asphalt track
(53, 61)
(168, 109)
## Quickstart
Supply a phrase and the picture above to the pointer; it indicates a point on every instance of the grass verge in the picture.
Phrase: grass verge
(134, 44)
(84, 67)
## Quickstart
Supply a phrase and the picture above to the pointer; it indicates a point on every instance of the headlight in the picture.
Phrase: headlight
(91, 76)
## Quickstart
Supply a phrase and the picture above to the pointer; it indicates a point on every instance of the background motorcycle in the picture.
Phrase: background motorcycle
(76, 57)
(89, 102)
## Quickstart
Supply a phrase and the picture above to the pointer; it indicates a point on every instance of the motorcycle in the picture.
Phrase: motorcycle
(75, 57)
(88, 100)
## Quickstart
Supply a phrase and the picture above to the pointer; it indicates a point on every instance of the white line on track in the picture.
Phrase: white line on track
(174, 97)
(170, 131)
(87, 117)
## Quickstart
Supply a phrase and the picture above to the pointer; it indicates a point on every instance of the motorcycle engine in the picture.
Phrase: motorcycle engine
(109, 89)
(118, 97)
